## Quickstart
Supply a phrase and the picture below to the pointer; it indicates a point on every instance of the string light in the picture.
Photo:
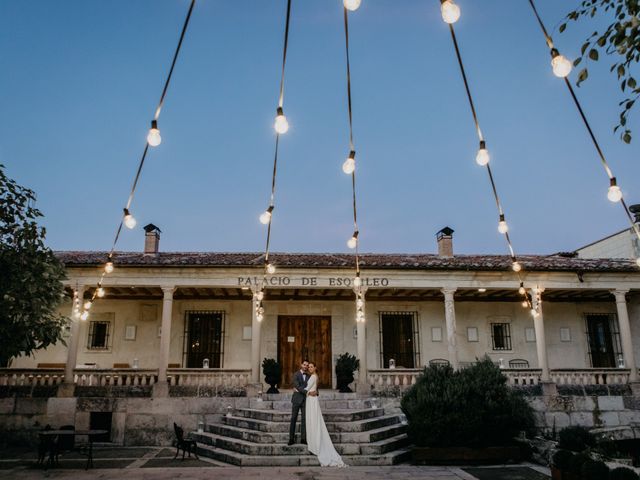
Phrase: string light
(101, 292)
(108, 267)
(614, 194)
(84, 315)
(482, 157)
(153, 137)
(638, 261)
(352, 5)
(353, 241)
(349, 164)
(357, 282)
(560, 64)
(87, 305)
(450, 11)
(129, 220)
(522, 290)
(271, 269)
(265, 218)
(281, 124)
(516, 267)
(502, 225)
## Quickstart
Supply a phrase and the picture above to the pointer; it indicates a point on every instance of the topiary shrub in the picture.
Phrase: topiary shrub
(576, 462)
(594, 470)
(346, 365)
(623, 473)
(470, 407)
(562, 459)
(272, 372)
(576, 439)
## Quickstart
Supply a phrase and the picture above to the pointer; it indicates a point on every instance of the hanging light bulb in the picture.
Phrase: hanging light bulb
(265, 218)
(87, 305)
(522, 290)
(352, 5)
(525, 304)
(260, 310)
(100, 292)
(259, 317)
(129, 219)
(353, 241)
(260, 295)
(357, 281)
(482, 157)
(271, 269)
(614, 194)
(153, 137)
(349, 165)
(516, 267)
(560, 64)
(450, 11)
(534, 313)
(502, 225)
(108, 267)
(359, 303)
(281, 124)
(84, 315)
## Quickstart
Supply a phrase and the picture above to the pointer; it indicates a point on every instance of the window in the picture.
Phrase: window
(204, 338)
(603, 339)
(98, 335)
(501, 336)
(399, 339)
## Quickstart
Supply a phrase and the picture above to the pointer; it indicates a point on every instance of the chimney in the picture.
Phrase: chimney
(635, 210)
(151, 239)
(445, 242)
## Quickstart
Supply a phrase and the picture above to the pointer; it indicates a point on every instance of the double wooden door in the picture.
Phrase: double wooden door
(304, 338)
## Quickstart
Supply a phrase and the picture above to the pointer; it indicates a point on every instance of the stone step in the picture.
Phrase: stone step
(325, 404)
(248, 447)
(283, 426)
(235, 458)
(328, 394)
(329, 415)
(257, 436)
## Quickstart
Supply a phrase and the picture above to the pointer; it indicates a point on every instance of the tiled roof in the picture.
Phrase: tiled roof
(555, 262)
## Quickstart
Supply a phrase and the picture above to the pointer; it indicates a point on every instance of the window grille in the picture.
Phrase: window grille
(204, 338)
(603, 339)
(501, 336)
(98, 338)
(399, 339)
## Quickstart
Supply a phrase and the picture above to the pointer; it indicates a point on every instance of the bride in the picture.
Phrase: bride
(318, 440)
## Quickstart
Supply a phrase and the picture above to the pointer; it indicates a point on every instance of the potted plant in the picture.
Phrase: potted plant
(272, 372)
(346, 365)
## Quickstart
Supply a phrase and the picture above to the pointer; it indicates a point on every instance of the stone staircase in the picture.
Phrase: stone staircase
(362, 433)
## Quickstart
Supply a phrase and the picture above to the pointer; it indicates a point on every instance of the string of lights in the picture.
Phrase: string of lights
(349, 167)
(281, 126)
(562, 68)
(153, 140)
(450, 14)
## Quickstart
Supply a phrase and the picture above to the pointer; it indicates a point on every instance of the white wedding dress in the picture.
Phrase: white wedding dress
(318, 439)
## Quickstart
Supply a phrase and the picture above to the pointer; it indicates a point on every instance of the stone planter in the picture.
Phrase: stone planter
(465, 455)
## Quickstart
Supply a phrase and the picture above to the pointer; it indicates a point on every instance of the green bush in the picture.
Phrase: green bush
(562, 459)
(594, 470)
(576, 463)
(576, 439)
(469, 407)
(623, 473)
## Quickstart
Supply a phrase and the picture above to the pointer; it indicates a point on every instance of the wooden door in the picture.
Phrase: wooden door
(304, 338)
(600, 341)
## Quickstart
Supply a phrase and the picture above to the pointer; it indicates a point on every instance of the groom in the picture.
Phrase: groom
(300, 379)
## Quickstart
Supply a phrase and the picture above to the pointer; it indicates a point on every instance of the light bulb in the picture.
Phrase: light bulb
(153, 137)
(349, 165)
(265, 218)
(129, 220)
(100, 292)
(638, 261)
(260, 310)
(560, 64)
(359, 303)
(260, 295)
(108, 268)
(87, 305)
(357, 281)
(516, 267)
(76, 313)
(482, 157)
(352, 242)
(522, 291)
(84, 315)
(281, 124)
(525, 304)
(614, 194)
(503, 227)
(259, 318)
(534, 313)
(450, 11)
(271, 269)
(352, 5)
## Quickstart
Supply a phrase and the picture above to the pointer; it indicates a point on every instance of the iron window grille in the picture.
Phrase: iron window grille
(204, 338)
(501, 336)
(399, 339)
(99, 335)
(608, 348)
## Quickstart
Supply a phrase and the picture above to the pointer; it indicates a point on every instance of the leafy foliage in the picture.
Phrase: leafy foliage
(594, 470)
(31, 281)
(562, 459)
(272, 372)
(346, 365)
(469, 407)
(623, 473)
(576, 439)
(621, 40)
(576, 463)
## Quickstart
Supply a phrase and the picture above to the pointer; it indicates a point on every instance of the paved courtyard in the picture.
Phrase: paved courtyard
(141, 463)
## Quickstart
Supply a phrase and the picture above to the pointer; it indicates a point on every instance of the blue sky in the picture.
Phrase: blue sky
(81, 80)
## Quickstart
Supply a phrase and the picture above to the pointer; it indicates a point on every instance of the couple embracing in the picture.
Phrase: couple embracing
(313, 431)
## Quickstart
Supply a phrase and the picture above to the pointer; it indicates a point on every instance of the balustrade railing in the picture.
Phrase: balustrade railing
(209, 377)
(31, 377)
(592, 376)
(116, 377)
(393, 377)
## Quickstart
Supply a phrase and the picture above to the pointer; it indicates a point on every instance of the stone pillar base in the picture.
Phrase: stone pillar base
(254, 389)
(160, 389)
(549, 389)
(66, 390)
(635, 389)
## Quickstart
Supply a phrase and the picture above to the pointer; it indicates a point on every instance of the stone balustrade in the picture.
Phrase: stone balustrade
(208, 377)
(592, 376)
(120, 377)
(31, 377)
(393, 377)
(522, 376)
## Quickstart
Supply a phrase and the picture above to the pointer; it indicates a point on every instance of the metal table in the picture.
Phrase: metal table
(57, 433)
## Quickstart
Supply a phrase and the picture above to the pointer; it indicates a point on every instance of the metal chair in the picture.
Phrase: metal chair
(186, 445)
(518, 363)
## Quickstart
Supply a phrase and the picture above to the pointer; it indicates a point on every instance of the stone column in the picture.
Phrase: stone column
(450, 318)
(361, 330)
(256, 339)
(625, 334)
(165, 337)
(541, 344)
(74, 340)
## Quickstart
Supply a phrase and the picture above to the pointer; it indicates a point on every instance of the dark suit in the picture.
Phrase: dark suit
(298, 404)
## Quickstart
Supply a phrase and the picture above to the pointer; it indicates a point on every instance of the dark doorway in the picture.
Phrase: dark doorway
(204, 334)
(101, 421)
(602, 341)
(399, 339)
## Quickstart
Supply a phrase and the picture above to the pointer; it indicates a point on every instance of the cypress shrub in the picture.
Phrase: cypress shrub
(470, 407)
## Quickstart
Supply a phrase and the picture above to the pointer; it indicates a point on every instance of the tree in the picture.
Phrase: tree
(620, 40)
(30, 276)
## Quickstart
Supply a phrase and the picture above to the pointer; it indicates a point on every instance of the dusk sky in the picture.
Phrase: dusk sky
(81, 79)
